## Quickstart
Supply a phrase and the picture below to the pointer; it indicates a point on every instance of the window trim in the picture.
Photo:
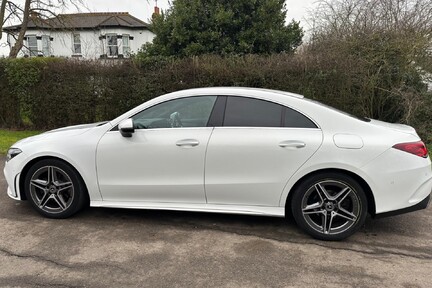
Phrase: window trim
(220, 110)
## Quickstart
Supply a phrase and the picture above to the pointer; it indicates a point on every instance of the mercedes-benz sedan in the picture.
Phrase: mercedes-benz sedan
(229, 150)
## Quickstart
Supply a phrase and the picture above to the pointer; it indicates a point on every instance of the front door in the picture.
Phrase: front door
(163, 161)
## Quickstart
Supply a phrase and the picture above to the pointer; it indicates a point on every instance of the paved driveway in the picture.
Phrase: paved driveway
(119, 248)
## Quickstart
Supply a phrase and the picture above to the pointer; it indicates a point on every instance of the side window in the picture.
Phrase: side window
(112, 45)
(32, 45)
(249, 112)
(76, 43)
(126, 45)
(184, 112)
(295, 119)
(46, 45)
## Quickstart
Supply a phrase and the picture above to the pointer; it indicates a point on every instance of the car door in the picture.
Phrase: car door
(259, 146)
(163, 161)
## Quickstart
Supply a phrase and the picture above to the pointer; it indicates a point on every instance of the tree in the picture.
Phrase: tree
(385, 46)
(194, 27)
(36, 10)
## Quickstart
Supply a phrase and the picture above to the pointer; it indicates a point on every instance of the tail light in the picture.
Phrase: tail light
(416, 148)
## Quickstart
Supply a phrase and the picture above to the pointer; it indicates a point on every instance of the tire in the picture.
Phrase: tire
(329, 206)
(56, 197)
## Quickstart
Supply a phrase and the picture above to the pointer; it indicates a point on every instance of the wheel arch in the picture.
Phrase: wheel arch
(368, 191)
(27, 167)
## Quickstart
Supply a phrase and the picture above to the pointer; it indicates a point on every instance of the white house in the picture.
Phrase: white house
(86, 35)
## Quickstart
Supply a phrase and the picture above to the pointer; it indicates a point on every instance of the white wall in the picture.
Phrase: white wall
(91, 46)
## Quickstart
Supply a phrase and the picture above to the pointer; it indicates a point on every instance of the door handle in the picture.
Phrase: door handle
(292, 144)
(187, 143)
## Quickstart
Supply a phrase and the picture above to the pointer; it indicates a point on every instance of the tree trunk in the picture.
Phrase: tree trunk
(2, 15)
(19, 42)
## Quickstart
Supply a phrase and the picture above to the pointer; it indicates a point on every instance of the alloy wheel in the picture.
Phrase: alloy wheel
(51, 189)
(331, 207)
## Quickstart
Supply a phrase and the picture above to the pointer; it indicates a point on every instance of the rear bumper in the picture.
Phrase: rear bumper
(398, 180)
(419, 206)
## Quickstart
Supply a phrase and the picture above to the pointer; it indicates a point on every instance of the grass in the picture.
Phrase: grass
(9, 137)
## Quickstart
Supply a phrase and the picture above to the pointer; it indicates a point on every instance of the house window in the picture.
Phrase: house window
(77, 43)
(32, 45)
(112, 45)
(126, 45)
(46, 45)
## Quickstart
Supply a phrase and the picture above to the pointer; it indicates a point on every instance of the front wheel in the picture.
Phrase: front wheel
(54, 189)
(329, 206)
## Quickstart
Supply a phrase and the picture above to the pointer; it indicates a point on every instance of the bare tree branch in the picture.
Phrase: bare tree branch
(2, 16)
(19, 43)
(41, 12)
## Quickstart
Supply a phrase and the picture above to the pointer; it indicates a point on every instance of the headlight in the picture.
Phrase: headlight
(12, 152)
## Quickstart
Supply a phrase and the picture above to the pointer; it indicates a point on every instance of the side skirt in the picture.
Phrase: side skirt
(213, 208)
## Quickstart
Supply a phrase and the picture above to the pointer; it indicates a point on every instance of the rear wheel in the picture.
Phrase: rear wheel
(54, 189)
(329, 206)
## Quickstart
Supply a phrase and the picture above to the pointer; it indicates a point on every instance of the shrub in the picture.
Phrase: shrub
(41, 94)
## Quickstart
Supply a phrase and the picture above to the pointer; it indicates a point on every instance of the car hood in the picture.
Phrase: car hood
(60, 132)
(395, 126)
(77, 128)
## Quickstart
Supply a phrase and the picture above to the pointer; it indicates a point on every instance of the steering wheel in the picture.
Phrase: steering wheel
(175, 120)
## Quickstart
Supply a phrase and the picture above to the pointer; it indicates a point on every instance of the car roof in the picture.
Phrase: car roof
(234, 90)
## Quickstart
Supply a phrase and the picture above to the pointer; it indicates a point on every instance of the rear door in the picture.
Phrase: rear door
(258, 147)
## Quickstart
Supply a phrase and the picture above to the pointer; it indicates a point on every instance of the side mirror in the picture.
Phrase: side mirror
(126, 127)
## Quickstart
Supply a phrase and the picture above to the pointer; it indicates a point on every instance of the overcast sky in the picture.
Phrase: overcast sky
(297, 9)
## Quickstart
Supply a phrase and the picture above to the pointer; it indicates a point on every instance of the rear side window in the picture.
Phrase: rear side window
(295, 119)
(249, 112)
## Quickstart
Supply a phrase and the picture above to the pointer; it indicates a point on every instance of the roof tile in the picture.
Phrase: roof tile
(85, 21)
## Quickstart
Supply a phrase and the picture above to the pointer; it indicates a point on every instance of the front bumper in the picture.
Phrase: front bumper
(12, 180)
(12, 173)
(419, 206)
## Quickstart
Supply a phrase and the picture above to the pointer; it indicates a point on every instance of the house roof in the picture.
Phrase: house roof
(83, 21)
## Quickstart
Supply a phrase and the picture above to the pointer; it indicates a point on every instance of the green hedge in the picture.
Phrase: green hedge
(45, 93)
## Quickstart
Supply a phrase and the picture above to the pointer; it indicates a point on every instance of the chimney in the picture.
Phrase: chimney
(156, 9)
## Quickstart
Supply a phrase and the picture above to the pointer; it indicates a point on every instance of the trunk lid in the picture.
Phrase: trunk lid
(395, 126)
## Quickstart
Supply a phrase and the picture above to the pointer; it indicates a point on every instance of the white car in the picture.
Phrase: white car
(229, 150)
